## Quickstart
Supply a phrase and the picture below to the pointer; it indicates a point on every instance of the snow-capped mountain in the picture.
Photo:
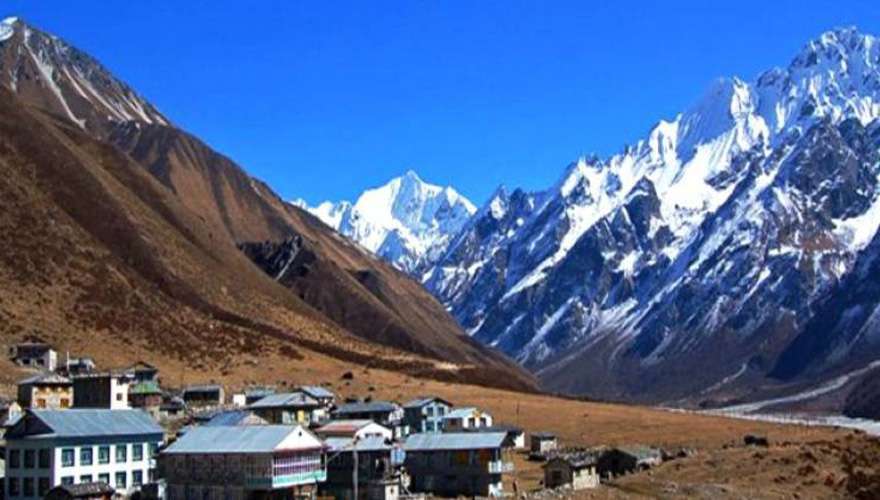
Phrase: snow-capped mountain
(407, 221)
(700, 249)
(66, 81)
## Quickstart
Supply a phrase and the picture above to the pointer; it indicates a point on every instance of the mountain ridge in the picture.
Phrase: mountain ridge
(585, 273)
(183, 254)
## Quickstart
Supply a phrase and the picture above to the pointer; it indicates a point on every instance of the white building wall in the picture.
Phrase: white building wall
(119, 393)
(57, 471)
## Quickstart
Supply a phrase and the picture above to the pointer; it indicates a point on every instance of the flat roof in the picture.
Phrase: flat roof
(431, 441)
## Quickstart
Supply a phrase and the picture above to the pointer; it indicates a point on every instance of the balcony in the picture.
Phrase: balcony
(500, 467)
(259, 482)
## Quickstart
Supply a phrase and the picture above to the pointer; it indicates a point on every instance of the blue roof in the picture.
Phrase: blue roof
(239, 439)
(418, 403)
(285, 399)
(371, 407)
(80, 423)
(317, 391)
(232, 417)
(369, 443)
(430, 441)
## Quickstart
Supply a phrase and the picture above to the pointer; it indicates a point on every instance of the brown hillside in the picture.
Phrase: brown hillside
(354, 289)
(98, 252)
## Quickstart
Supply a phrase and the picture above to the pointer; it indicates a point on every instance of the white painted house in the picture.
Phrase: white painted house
(354, 429)
(466, 418)
(46, 448)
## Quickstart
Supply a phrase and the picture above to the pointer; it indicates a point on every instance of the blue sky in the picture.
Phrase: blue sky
(323, 99)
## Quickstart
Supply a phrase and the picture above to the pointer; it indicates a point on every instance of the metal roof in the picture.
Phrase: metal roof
(285, 399)
(429, 441)
(343, 426)
(235, 417)
(317, 391)
(234, 439)
(148, 387)
(79, 423)
(370, 443)
(46, 378)
(202, 388)
(543, 435)
(259, 391)
(419, 402)
(508, 429)
(464, 412)
(371, 407)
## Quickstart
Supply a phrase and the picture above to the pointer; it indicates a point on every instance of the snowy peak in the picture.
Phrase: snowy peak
(7, 28)
(50, 74)
(407, 221)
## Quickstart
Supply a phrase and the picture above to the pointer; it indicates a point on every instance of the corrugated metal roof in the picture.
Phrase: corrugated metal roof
(202, 388)
(344, 426)
(419, 402)
(464, 412)
(285, 399)
(371, 443)
(235, 439)
(96, 422)
(454, 441)
(371, 407)
(317, 391)
(46, 378)
(234, 417)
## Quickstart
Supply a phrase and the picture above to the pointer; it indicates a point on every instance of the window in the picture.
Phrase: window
(103, 454)
(85, 478)
(68, 457)
(137, 478)
(429, 411)
(64, 403)
(121, 453)
(30, 459)
(45, 458)
(104, 478)
(151, 475)
(14, 489)
(67, 480)
(137, 452)
(118, 396)
(14, 459)
(154, 450)
(85, 455)
(429, 426)
(27, 486)
(42, 486)
(120, 479)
